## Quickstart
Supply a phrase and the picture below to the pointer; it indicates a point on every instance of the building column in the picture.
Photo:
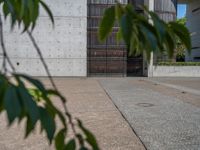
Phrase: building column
(193, 24)
(149, 72)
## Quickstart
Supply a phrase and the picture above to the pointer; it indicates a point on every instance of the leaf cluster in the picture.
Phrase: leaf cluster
(34, 105)
(180, 48)
(24, 12)
(143, 32)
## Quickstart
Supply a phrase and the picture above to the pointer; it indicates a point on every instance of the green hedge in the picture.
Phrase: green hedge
(178, 64)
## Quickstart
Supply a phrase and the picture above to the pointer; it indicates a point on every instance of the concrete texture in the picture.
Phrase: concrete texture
(186, 84)
(164, 118)
(176, 71)
(88, 101)
(193, 24)
(63, 47)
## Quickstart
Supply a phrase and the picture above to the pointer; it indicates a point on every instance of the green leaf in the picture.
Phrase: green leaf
(22, 9)
(59, 139)
(48, 123)
(30, 105)
(10, 7)
(62, 118)
(107, 23)
(56, 93)
(12, 103)
(119, 11)
(3, 87)
(83, 148)
(35, 82)
(59, 113)
(26, 21)
(71, 145)
(90, 138)
(31, 9)
(151, 40)
(182, 33)
(29, 127)
(35, 13)
(160, 26)
(135, 48)
(119, 36)
(126, 28)
(170, 41)
(36, 94)
(5, 10)
(47, 10)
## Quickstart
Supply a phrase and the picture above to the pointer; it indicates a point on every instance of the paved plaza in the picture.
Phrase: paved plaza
(163, 117)
(125, 114)
(86, 100)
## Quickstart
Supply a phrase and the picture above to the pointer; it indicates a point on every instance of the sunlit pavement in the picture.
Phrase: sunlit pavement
(88, 101)
(124, 114)
(164, 112)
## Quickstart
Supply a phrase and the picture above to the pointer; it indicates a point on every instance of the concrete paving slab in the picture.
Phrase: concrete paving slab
(88, 101)
(162, 121)
(115, 134)
(166, 90)
(191, 85)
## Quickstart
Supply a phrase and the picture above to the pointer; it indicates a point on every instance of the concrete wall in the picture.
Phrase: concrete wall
(64, 48)
(193, 24)
(176, 71)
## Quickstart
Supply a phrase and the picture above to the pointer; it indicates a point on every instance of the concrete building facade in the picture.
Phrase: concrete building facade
(65, 48)
(193, 24)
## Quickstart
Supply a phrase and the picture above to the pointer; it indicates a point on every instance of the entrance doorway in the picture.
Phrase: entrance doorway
(108, 58)
(135, 66)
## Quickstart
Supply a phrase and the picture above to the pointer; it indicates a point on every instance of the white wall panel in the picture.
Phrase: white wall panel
(64, 47)
(57, 67)
(176, 71)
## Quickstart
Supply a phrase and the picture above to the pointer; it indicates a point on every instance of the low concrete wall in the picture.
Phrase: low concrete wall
(176, 71)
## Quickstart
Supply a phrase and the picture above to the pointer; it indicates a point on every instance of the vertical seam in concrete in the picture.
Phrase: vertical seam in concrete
(124, 117)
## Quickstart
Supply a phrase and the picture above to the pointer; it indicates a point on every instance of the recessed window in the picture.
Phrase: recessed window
(195, 47)
(196, 58)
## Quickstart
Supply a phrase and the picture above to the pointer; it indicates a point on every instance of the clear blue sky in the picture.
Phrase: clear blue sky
(181, 10)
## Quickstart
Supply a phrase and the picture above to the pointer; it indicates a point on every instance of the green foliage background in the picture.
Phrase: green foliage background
(180, 48)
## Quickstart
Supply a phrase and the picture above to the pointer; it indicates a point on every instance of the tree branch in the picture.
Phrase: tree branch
(51, 79)
(5, 55)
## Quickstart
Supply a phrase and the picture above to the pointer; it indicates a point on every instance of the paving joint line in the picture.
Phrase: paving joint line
(124, 117)
(177, 87)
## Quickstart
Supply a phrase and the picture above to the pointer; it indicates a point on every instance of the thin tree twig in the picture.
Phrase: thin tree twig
(42, 59)
(51, 79)
(5, 55)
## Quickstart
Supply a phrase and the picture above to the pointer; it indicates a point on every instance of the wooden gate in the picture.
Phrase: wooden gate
(108, 58)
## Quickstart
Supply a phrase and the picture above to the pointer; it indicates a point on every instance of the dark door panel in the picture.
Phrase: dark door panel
(107, 58)
(135, 66)
(104, 58)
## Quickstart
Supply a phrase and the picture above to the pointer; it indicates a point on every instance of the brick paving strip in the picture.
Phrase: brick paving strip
(88, 101)
(164, 118)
